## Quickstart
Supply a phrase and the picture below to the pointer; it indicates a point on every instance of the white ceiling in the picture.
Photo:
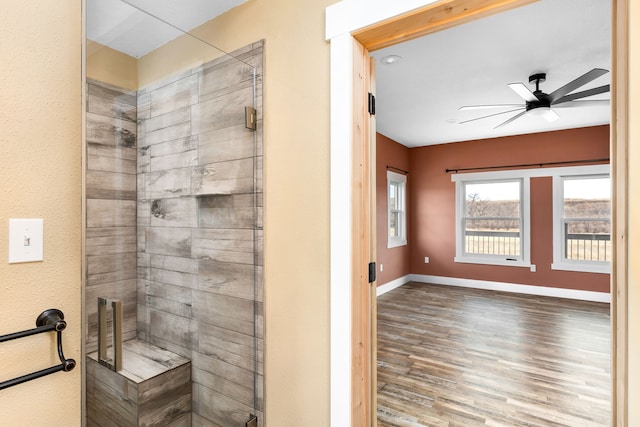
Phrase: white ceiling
(127, 29)
(417, 99)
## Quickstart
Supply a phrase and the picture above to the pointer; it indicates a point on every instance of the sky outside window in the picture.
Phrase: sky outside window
(495, 190)
(590, 188)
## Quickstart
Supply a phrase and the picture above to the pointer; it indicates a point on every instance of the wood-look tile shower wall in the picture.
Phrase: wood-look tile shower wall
(111, 205)
(199, 231)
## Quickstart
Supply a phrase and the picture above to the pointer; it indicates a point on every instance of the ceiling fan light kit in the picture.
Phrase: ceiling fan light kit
(539, 103)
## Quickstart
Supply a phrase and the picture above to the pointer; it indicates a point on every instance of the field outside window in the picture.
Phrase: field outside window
(585, 222)
(491, 226)
(492, 218)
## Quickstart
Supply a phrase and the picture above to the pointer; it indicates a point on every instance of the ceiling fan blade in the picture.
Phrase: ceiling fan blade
(583, 94)
(511, 119)
(549, 115)
(490, 115)
(575, 84)
(523, 91)
(584, 103)
(482, 107)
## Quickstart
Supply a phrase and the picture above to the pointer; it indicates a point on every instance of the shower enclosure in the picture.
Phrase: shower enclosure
(173, 202)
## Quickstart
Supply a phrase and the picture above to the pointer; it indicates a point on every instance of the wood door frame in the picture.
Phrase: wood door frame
(363, 239)
(444, 14)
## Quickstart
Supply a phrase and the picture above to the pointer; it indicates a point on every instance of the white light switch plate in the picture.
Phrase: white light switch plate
(26, 238)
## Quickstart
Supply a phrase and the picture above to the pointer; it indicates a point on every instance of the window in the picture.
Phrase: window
(396, 205)
(582, 223)
(492, 217)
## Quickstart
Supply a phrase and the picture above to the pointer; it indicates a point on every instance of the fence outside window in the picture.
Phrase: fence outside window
(587, 246)
(492, 242)
(577, 246)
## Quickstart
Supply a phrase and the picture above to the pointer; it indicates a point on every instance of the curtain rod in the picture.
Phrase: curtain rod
(525, 165)
(398, 169)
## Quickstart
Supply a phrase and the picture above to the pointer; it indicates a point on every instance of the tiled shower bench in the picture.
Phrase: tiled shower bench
(153, 388)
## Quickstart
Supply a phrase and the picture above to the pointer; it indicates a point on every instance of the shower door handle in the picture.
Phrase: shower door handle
(115, 363)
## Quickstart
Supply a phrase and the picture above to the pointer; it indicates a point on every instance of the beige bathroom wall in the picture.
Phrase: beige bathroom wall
(40, 177)
(110, 66)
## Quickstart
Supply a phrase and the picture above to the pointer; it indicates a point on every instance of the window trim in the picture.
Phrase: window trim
(559, 261)
(600, 169)
(524, 260)
(401, 240)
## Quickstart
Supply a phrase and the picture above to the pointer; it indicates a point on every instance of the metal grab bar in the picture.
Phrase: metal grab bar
(114, 363)
(47, 321)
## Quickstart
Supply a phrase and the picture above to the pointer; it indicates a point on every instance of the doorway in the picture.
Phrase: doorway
(435, 75)
(381, 30)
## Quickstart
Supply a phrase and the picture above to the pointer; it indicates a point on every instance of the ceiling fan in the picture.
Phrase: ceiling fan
(540, 103)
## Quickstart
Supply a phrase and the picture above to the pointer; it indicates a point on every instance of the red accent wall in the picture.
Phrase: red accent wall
(396, 261)
(432, 204)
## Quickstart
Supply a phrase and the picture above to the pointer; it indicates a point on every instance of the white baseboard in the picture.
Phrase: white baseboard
(508, 287)
(496, 286)
(383, 289)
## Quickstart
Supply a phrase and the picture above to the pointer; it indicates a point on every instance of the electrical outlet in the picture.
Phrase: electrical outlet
(426, 260)
(533, 268)
(381, 267)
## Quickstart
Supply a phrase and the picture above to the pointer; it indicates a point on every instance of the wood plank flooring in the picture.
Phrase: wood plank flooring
(452, 356)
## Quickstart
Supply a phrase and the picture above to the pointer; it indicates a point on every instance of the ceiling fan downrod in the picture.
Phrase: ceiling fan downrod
(538, 78)
(543, 100)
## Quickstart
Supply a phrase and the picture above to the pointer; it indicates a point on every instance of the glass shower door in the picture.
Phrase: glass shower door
(174, 205)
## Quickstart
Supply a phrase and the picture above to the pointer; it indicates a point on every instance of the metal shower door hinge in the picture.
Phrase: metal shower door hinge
(250, 118)
(253, 421)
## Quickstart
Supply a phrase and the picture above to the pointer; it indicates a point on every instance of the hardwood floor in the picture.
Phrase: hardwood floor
(452, 356)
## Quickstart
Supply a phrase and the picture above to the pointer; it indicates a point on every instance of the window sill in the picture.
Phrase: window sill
(485, 261)
(396, 244)
(583, 268)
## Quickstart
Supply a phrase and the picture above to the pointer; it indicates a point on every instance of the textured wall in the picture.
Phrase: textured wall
(200, 231)
(174, 224)
(296, 173)
(107, 65)
(433, 204)
(296, 219)
(432, 208)
(40, 177)
(111, 204)
(396, 261)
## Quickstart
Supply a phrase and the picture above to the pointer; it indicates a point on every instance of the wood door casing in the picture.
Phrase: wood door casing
(363, 245)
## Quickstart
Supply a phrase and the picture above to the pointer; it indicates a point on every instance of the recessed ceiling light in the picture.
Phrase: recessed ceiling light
(391, 59)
